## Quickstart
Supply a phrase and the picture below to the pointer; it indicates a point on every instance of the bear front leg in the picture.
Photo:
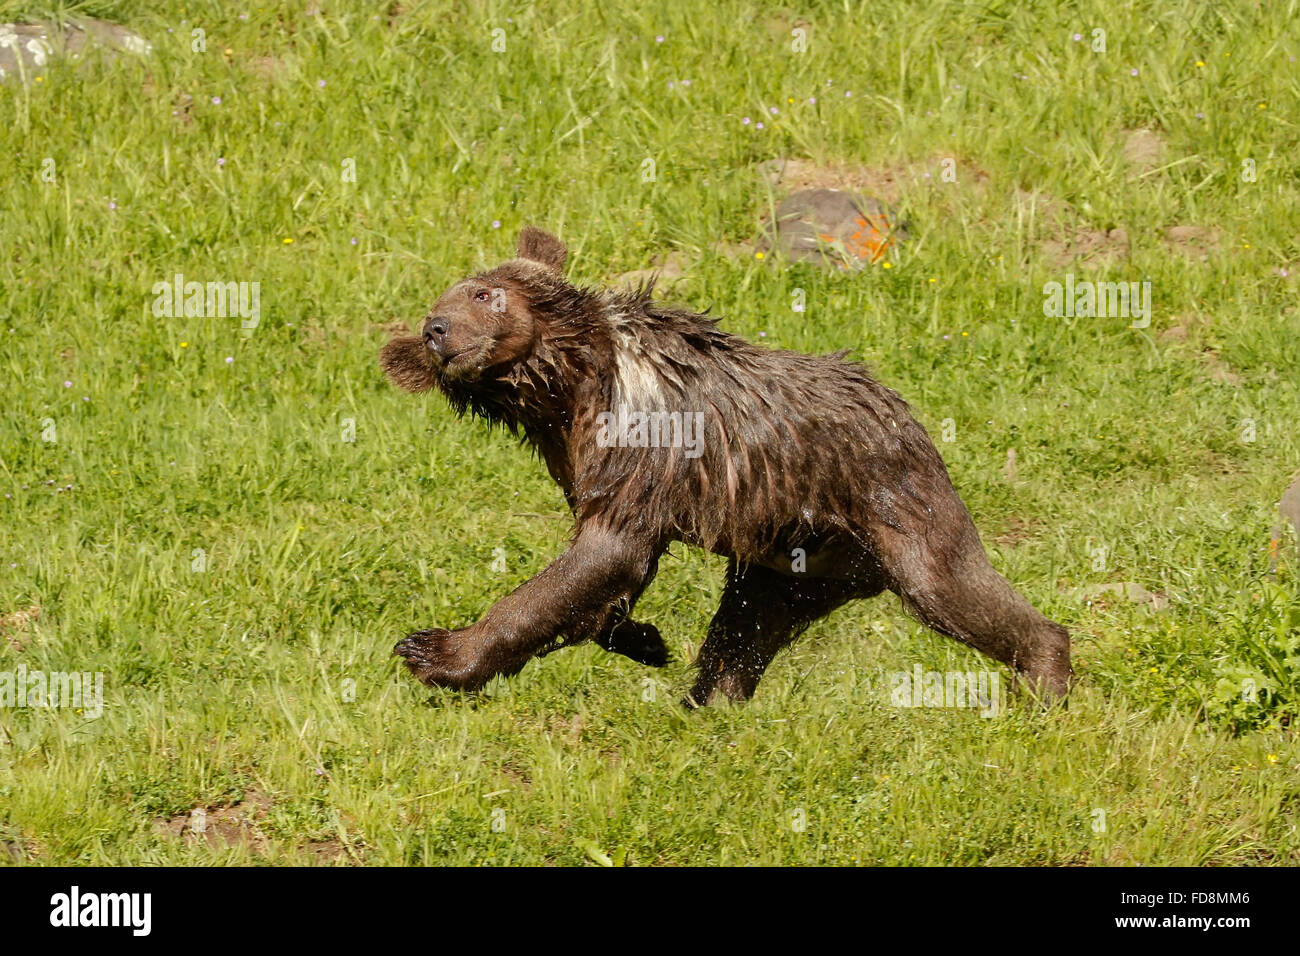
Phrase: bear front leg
(581, 595)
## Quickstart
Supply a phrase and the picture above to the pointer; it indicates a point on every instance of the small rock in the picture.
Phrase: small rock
(1130, 591)
(1290, 505)
(667, 269)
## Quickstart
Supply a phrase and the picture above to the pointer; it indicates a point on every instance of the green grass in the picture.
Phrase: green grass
(184, 434)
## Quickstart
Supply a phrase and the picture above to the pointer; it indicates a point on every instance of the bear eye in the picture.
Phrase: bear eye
(482, 295)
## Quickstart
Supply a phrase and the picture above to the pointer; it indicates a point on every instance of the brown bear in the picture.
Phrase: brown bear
(812, 478)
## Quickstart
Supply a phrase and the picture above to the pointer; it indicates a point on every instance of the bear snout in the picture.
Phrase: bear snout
(436, 330)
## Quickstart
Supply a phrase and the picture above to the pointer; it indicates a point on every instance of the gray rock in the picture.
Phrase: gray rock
(26, 48)
(833, 228)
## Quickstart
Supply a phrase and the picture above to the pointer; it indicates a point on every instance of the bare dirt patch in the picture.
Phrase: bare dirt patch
(569, 730)
(1194, 242)
(1144, 150)
(182, 104)
(1017, 530)
(1107, 595)
(1067, 238)
(885, 183)
(268, 67)
(238, 825)
(1090, 248)
(16, 627)
(16, 848)
(221, 827)
(316, 335)
(1217, 370)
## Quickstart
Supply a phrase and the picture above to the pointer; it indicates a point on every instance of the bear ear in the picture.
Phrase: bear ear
(538, 245)
(406, 361)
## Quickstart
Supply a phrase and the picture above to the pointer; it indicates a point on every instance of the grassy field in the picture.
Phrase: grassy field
(235, 526)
